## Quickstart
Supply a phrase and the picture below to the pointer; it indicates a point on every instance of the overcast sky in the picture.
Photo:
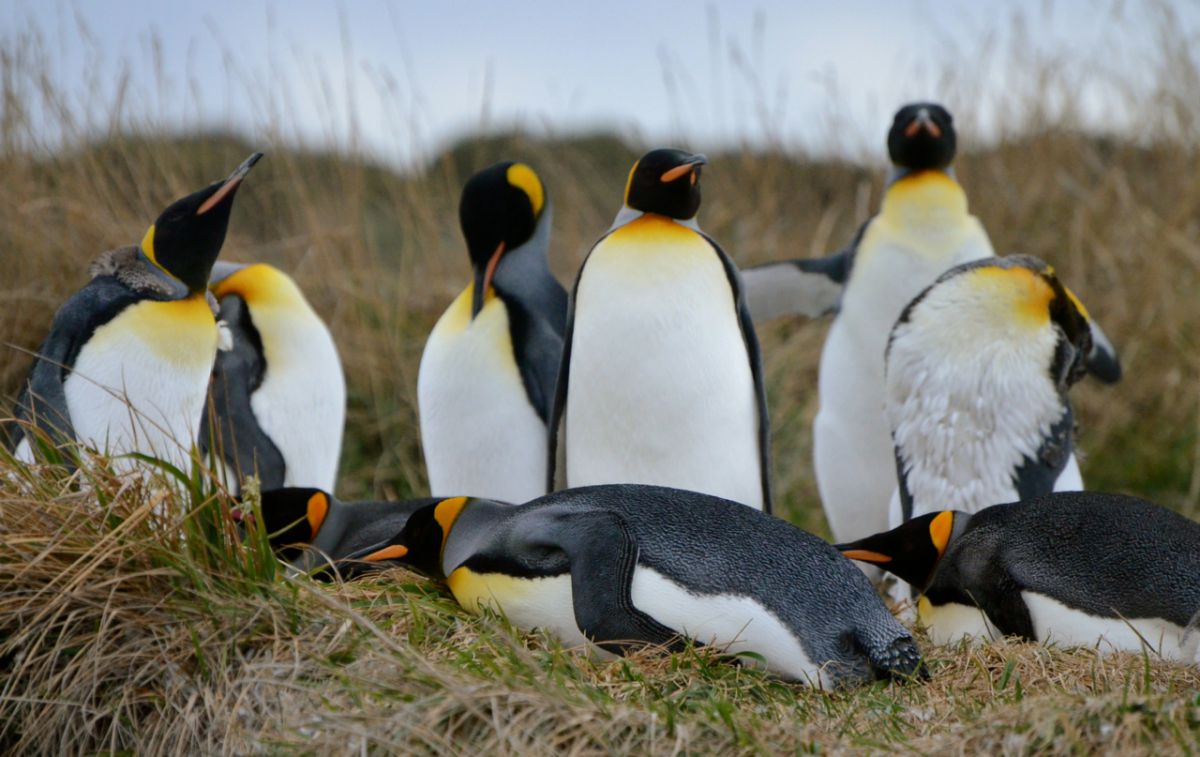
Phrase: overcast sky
(401, 79)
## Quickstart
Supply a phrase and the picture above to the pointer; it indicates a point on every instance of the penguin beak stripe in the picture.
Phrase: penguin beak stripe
(232, 183)
(683, 170)
(394, 552)
(923, 122)
(866, 555)
(490, 271)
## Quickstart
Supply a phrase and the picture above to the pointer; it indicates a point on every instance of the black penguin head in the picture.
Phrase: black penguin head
(911, 551)
(292, 518)
(499, 211)
(666, 182)
(420, 543)
(187, 237)
(922, 138)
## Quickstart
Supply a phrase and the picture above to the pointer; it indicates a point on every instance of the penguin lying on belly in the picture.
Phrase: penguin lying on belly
(1072, 568)
(610, 567)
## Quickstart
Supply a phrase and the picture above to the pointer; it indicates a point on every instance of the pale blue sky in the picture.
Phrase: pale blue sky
(809, 75)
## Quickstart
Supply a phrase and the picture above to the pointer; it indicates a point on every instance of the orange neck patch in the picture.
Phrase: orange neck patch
(446, 513)
(939, 530)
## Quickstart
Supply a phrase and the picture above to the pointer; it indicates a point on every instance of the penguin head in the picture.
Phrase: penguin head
(498, 212)
(666, 182)
(1015, 301)
(421, 542)
(922, 138)
(293, 518)
(913, 550)
(259, 284)
(186, 238)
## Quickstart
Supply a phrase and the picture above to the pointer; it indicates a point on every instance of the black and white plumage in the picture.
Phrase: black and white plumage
(1071, 568)
(610, 567)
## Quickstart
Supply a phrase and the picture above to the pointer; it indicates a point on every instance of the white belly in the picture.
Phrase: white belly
(661, 390)
(731, 624)
(950, 623)
(1055, 623)
(140, 383)
(852, 443)
(301, 403)
(480, 434)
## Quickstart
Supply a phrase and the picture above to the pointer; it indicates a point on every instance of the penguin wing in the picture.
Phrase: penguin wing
(811, 287)
(1102, 361)
(1037, 475)
(754, 355)
(43, 399)
(238, 372)
(603, 556)
(536, 329)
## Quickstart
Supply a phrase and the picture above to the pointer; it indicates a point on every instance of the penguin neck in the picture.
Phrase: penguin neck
(628, 215)
(920, 198)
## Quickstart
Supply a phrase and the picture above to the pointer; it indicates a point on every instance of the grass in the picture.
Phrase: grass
(130, 621)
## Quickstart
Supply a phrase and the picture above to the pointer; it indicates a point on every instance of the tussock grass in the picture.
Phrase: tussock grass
(135, 620)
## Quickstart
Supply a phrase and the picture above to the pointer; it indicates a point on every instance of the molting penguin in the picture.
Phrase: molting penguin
(278, 392)
(978, 368)
(1074, 568)
(487, 376)
(126, 365)
(923, 228)
(661, 381)
(625, 565)
(314, 532)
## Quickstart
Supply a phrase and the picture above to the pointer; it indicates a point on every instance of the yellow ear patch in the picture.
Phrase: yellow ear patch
(939, 530)
(318, 508)
(148, 250)
(629, 179)
(523, 177)
(446, 512)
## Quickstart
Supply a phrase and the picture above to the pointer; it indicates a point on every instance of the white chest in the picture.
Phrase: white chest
(661, 390)
(480, 434)
(301, 403)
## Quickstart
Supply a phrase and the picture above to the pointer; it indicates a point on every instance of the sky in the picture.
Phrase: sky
(400, 80)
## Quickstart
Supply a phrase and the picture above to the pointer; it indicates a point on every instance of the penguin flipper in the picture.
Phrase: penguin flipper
(43, 399)
(538, 344)
(754, 355)
(1039, 475)
(556, 449)
(603, 556)
(1103, 361)
(811, 287)
(238, 372)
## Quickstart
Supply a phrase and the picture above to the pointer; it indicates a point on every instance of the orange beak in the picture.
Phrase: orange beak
(490, 271)
(866, 555)
(394, 552)
(923, 122)
(231, 184)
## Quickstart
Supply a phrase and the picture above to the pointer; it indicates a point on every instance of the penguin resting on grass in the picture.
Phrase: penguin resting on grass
(487, 376)
(661, 380)
(126, 365)
(278, 393)
(609, 568)
(1070, 568)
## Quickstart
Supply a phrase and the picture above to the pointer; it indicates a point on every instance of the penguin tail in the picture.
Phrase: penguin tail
(898, 659)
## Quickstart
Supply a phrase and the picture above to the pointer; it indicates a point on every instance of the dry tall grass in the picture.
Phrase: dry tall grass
(115, 635)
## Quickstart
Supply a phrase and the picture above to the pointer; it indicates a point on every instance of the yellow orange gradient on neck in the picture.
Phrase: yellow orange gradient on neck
(260, 285)
(1076, 302)
(939, 530)
(1016, 292)
(318, 508)
(525, 179)
(923, 193)
(446, 512)
(629, 179)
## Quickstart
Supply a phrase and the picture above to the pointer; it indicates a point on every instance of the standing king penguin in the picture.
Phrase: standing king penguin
(978, 368)
(661, 380)
(486, 381)
(278, 392)
(126, 365)
(627, 565)
(1072, 568)
(923, 228)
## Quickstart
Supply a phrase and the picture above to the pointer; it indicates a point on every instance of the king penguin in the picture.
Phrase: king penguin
(126, 365)
(661, 380)
(1072, 568)
(978, 368)
(606, 568)
(923, 228)
(315, 532)
(486, 381)
(278, 392)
